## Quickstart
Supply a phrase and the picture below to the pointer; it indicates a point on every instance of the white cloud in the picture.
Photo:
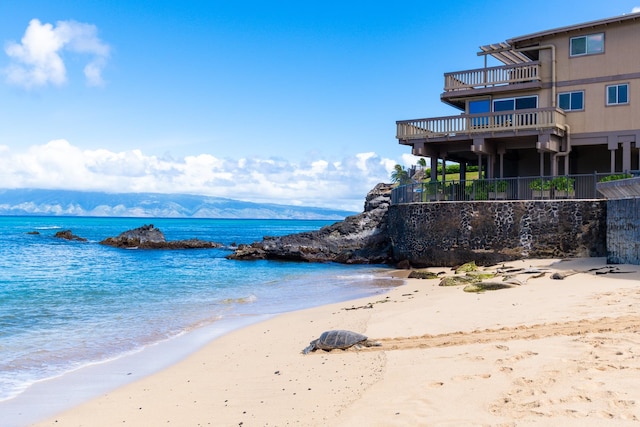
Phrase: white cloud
(37, 59)
(331, 183)
(635, 9)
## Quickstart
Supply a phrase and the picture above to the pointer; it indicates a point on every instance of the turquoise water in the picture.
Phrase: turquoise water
(64, 305)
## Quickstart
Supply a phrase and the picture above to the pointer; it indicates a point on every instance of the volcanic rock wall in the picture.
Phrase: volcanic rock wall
(451, 233)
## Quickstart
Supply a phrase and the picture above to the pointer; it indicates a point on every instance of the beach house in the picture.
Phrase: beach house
(562, 102)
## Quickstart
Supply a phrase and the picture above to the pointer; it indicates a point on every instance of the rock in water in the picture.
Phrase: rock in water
(149, 237)
(68, 235)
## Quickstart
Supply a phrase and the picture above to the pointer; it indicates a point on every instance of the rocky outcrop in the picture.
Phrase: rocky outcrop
(358, 239)
(149, 237)
(68, 235)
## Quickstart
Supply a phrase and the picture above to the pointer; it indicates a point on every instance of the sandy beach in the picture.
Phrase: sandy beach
(543, 352)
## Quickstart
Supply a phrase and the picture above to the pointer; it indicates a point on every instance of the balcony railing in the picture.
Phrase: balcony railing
(520, 188)
(469, 124)
(492, 76)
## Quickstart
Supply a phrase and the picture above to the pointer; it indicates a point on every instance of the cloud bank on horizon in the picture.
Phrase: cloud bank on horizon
(322, 183)
(37, 60)
(41, 59)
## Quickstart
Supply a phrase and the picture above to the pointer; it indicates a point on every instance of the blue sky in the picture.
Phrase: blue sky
(286, 102)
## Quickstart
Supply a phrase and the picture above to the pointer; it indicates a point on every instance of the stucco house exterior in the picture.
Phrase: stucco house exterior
(565, 101)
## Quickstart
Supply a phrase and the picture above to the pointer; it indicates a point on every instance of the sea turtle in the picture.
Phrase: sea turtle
(341, 339)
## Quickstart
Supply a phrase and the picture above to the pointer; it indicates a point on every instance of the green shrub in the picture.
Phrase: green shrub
(563, 183)
(616, 177)
(540, 184)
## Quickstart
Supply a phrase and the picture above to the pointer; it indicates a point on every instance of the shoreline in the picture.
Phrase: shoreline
(552, 360)
(44, 399)
(49, 396)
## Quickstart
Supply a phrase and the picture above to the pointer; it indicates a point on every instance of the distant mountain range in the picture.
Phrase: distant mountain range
(79, 203)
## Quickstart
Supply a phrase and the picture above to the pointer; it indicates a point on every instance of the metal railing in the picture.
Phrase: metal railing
(469, 124)
(519, 188)
(492, 76)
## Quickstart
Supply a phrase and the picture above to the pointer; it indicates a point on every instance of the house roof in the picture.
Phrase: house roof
(572, 28)
(506, 52)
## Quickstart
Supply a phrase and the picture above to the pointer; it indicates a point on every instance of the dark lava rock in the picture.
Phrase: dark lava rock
(422, 274)
(149, 237)
(358, 239)
(68, 235)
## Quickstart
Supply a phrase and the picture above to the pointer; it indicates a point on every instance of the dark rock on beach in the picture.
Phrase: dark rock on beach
(358, 239)
(68, 235)
(149, 237)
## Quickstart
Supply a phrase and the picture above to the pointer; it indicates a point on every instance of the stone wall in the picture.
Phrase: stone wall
(623, 220)
(451, 233)
(623, 231)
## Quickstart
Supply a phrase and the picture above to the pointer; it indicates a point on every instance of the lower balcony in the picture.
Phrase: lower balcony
(465, 126)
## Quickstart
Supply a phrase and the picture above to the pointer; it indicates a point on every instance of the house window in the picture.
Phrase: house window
(510, 104)
(571, 101)
(505, 106)
(618, 94)
(587, 45)
(478, 107)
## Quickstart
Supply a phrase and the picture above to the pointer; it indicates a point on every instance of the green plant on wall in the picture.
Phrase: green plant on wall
(563, 183)
(540, 184)
(432, 187)
(479, 190)
(497, 186)
(616, 177)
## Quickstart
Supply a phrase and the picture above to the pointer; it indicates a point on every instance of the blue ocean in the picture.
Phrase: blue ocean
(68, 304)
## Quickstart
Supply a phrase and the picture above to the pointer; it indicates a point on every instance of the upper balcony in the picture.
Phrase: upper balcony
(483, 81)
(465, 126)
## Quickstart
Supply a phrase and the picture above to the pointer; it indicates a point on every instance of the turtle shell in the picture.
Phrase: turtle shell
(339, 339)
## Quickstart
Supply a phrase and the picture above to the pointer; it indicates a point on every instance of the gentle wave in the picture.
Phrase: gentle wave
(241, 300)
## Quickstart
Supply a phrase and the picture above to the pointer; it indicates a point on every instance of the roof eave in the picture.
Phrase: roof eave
(571, 28)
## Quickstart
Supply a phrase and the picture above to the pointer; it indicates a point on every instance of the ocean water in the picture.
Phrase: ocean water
(69, 304)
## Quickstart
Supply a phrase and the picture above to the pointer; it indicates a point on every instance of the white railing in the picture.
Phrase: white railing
(469, 124)
(492, 76)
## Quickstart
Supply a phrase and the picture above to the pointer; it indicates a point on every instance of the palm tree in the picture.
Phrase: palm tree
(422, 162)
(400, 175)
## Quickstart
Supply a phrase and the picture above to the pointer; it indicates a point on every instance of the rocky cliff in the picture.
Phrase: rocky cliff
(358, 239)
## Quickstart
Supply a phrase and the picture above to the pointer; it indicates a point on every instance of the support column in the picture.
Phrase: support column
(444, 169)
(434, 168)
(541, 163)
(491, 168)
(479, 166)
(501, 150)
(626, 156)
(612, 143)
(463, 171)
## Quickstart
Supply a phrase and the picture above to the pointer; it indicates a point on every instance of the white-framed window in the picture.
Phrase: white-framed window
(587, 45)
(571, 101)
(618, 94)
